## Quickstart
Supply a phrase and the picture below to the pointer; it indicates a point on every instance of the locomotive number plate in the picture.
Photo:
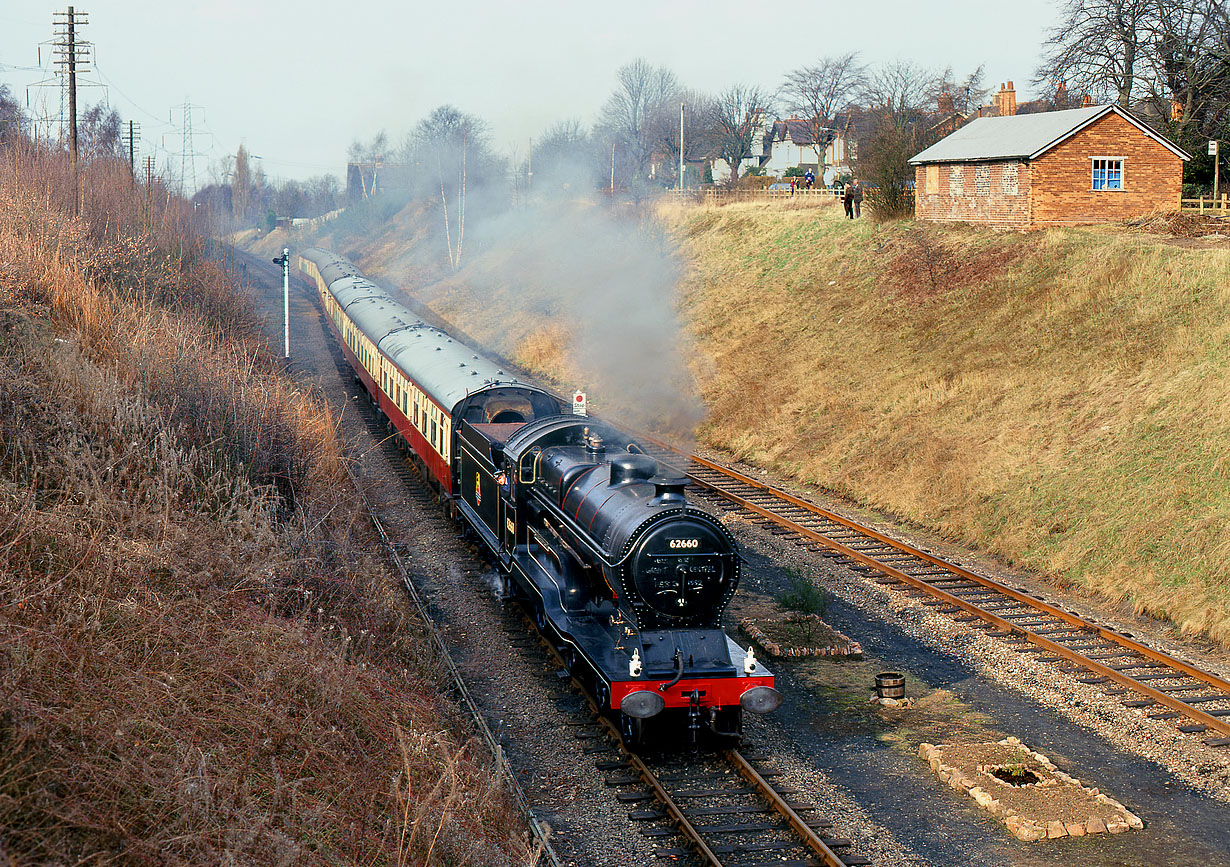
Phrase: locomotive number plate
(685, 543)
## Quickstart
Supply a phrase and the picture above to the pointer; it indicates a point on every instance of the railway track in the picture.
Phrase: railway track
(1170, 688)
(721, 809)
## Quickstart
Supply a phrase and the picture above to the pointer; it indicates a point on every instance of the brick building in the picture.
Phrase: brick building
(1084, 165)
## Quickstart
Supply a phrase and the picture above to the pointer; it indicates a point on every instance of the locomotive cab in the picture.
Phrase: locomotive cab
(487, 419)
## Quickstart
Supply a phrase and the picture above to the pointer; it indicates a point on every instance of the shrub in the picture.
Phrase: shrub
(803, 597)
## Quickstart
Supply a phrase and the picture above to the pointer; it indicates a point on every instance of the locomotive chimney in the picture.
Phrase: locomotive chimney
(668, 490)
(594, 447)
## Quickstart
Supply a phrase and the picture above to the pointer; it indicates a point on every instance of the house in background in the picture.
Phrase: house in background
(790, 143)
(1085, 165)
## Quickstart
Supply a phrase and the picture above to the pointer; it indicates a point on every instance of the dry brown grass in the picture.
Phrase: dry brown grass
(1059, 397)
(203, 660)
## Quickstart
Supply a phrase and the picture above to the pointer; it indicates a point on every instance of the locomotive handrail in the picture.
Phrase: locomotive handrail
(606, 561)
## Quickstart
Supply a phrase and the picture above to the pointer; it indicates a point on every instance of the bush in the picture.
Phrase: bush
(886, 171)
(803, 597)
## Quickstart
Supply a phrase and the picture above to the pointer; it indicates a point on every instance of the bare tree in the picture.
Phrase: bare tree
(817, 93)
(562, 157)
(1098, 47)
(901, 95)
(451, 144)
(901, 91)
(11, 117)
(736, 117)
(367, 159)
(635, 113)
(968, 93)
(99, 133)
(324, 194)
(1188, 65)
(698, 138)
(241, 186)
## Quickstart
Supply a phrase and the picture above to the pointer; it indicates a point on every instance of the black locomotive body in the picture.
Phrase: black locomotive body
(625, 575)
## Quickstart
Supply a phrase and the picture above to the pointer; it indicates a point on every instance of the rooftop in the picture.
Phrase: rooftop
(1024, 136)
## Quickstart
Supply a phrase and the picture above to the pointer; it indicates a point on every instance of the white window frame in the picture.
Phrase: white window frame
(1122, 161)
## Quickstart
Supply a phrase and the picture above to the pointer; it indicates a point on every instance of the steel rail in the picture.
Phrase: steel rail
(778, 803)
(673, 810)
(538, 828)
(1156, 695)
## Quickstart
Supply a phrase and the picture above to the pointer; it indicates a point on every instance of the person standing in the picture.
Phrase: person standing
(856, 197)
(847, 198)
(810, 178)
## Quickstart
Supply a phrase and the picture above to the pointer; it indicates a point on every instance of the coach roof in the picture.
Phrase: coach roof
(1025, 136)
(444, 368)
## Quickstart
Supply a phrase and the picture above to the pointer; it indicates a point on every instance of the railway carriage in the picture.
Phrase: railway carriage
(626, 576)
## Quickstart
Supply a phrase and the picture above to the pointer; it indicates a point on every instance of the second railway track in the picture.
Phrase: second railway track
(1197, 700)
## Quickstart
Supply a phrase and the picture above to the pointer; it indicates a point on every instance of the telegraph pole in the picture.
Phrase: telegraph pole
(133, 131)
(149, 185)
(70, 54)
(681, 147)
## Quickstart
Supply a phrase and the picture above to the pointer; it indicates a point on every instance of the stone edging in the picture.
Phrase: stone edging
(1022, 827)
(843, 648)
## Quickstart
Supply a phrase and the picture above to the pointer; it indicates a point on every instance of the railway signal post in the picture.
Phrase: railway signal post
(284, 261)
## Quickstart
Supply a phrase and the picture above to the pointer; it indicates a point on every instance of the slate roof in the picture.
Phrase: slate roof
(801, 132)
(1024, 136)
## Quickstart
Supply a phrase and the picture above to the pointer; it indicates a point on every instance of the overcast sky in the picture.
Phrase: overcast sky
(296, 82)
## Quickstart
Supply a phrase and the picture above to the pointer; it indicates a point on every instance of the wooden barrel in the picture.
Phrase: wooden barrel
(890, 684)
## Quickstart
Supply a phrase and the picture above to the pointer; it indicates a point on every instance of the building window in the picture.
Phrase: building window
(1107, 173)
(1010, 181)
(933, 179)
(956, 181)
(982, 181)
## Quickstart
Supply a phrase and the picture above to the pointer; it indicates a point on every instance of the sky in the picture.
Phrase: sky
(297, 82)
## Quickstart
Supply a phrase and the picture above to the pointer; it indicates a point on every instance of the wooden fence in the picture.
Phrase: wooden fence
(1210, 205)
(721, 196)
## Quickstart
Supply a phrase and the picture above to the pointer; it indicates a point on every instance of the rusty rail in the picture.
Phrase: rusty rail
(778, 803)
(1129, 644)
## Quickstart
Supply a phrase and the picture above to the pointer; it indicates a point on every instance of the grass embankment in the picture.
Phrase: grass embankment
(204, 660)
(1060, 397)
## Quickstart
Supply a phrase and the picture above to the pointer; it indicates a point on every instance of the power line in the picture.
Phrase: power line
(188, 152)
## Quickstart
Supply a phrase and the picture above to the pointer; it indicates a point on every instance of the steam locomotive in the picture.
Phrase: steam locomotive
(626, 576)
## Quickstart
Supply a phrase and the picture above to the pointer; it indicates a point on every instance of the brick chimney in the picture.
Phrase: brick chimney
(1005, 100)
(1061, 96)
(1176, 109)
(1086, 100)
(944, 104)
